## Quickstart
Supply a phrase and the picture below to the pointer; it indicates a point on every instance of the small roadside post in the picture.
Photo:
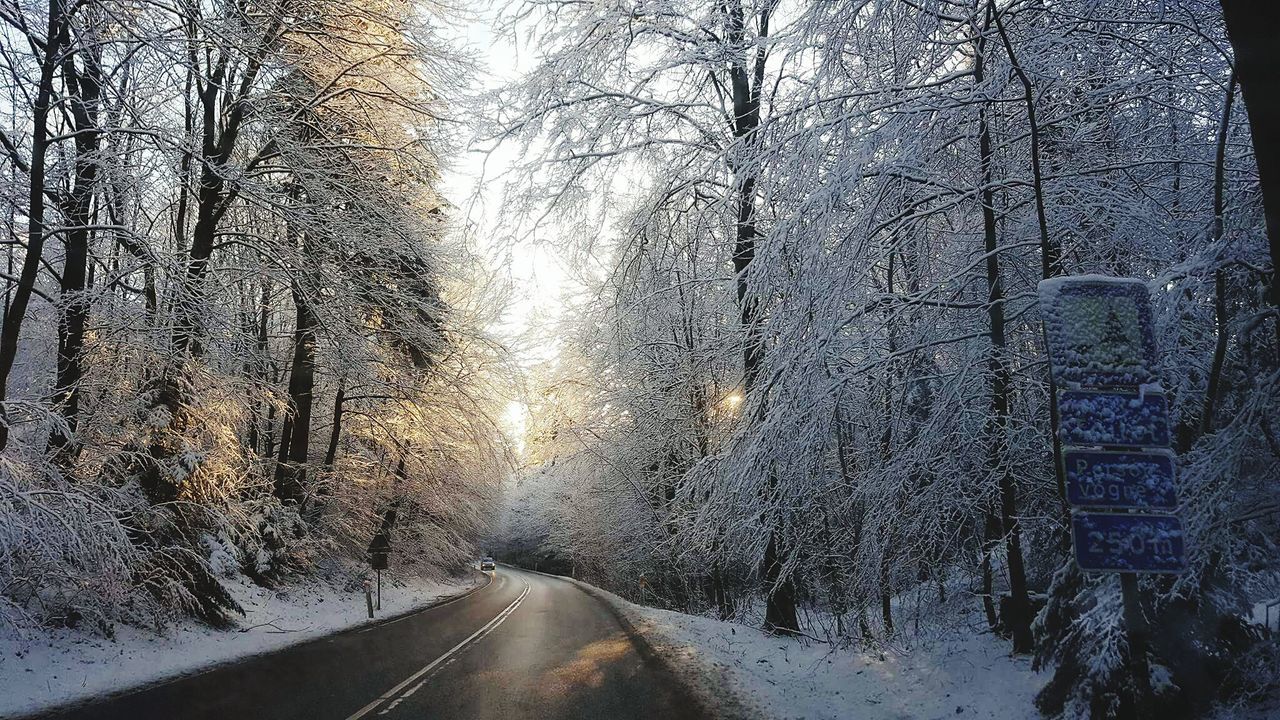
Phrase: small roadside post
(368, 597)
(1114, 433)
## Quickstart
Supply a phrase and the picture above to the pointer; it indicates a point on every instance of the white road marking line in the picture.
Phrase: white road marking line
(493, 626)
(489, 627)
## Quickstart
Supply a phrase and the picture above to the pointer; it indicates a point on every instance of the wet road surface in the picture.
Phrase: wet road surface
(527, 646)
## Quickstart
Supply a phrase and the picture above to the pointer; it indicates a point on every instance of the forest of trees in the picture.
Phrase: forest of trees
(804, 384)
(237, 324)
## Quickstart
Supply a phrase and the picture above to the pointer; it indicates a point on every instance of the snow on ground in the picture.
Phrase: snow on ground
(744, 673)
(65, 666)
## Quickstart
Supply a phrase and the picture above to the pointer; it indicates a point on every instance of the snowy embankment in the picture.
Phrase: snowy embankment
(742, 672)
(62, 666)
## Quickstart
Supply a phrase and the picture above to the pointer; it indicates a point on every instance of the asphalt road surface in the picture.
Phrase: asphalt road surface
(527, 646)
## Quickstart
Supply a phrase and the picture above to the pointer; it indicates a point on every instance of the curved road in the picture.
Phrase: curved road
(525, 646)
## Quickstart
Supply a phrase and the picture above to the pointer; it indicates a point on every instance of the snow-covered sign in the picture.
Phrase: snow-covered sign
(1106, 542)
(1113, 422)
(1098, 331)
(1118, 418)
(1102, 478)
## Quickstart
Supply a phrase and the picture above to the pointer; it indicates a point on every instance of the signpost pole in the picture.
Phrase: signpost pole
(379, 549)
(1136, 630)
(1054, 423)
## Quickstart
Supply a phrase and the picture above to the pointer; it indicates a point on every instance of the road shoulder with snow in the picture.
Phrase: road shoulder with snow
(63, 666)
(742, 672)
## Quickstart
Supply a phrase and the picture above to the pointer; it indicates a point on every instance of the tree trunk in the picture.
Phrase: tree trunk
(222, 116)
(1214, 389)
(1050, 250)
(85, 89)
(291, 473)
(886, 613)
(335, 433)
(780, 610)
(17, 309)
(719, 593)
(1252, 27)
(261, 375)
(990, 537)
(1019, 616)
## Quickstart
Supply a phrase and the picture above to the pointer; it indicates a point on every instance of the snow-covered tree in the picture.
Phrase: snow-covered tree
(916, 170)
(224, 225)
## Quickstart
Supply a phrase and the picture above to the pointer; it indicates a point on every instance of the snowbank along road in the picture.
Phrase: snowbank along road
(525, 646)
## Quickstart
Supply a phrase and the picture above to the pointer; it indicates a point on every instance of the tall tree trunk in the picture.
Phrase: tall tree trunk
(885, 577)
(257, 433)
(291, 473)
(1018, 620)
(990, 538)
(780, 606)
(780, 609)
(210, 206)
(335, 433)
(17, 310)
(1051, 265)
(1214, 389)
(1252, 26)
(1050, 250)
(85, 89)
(222, 110)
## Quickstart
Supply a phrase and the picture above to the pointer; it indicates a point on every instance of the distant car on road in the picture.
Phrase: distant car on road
(487, 563)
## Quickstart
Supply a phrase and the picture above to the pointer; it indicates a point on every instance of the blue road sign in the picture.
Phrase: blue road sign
(1098, 331)
(1120, 418)
(1101, 478)
(1106, 542)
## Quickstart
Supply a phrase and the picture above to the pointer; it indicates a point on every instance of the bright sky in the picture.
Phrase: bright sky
(474, 184)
